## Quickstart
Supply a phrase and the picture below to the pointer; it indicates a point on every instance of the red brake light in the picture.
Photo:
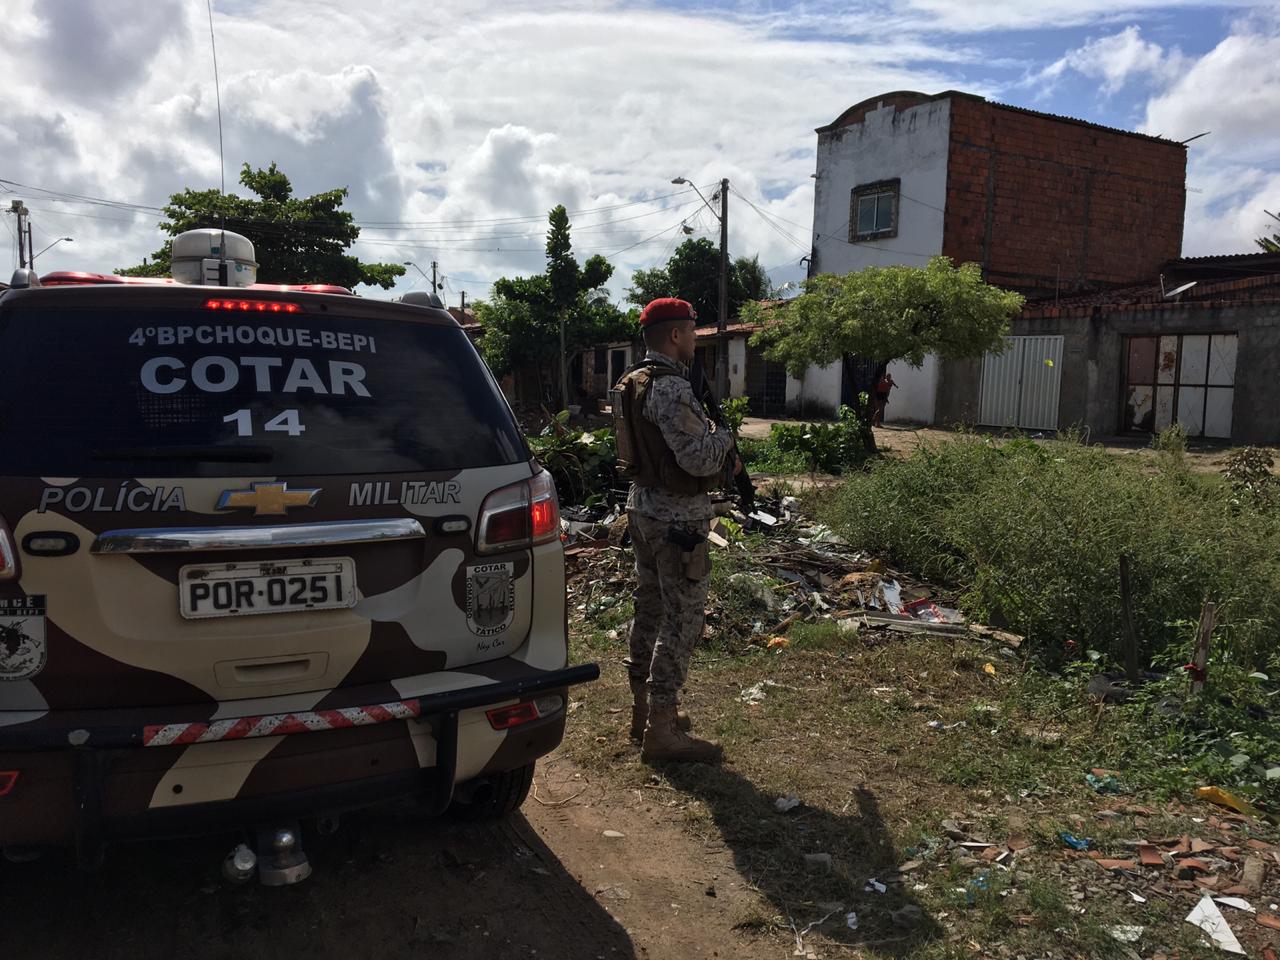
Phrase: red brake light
(504, 718)
(8, 554)
(253, 306)
(8, 778)
(519, 515)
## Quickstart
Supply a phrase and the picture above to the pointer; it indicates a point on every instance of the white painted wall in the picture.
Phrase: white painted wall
(817, 394)
(910, 145)
(737, 367)
(915, 393)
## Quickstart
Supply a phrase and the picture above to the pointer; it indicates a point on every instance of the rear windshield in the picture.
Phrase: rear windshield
(189, 393)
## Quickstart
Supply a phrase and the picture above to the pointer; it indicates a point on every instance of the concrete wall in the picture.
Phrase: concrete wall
(1093, 364)
(909, 144)
(913, 398)
(817, 394)
(737, 366)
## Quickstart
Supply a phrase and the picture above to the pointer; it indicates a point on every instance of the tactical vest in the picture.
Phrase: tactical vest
(643, 455)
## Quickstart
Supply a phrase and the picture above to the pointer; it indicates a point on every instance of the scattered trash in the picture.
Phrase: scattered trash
(778, 643)
(1209, 918)
(953, 830)
(1237, 902)
(851, 920)
(1137, 897)
(930, 612)
(1126, 933)
(787, 803)
(613, 835)
(756, 692)
(874, 886)
(1226, 799)
(939, 725)
(760, 591)
(768, 519)
(1075, 843)
(1103, 784)
(989, 669)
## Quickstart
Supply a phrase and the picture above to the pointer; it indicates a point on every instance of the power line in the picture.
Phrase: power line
(773, 226)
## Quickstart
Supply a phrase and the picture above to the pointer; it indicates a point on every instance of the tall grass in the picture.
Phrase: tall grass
(1033, 534)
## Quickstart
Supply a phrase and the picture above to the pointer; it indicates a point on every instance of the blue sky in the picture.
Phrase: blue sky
(456, 132)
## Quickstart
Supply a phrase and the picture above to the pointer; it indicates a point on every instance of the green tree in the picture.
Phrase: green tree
(521, 321)
(693, 274)
(1270, 244)
(883, 314)
(295, 239)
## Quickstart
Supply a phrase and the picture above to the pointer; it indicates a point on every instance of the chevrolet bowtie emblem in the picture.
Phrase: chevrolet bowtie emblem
(267, 499)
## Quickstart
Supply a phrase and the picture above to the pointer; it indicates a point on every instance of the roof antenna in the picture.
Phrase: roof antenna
(222, 162)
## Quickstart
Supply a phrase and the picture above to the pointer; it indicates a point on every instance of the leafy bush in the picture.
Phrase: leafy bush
(734, 410)
(761, 455)
(1034, 534)
(1248, 471)
(828, 447)
(581, 462)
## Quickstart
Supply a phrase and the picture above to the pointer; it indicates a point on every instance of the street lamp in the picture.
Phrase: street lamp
(434, 286)
(54, 244)
(722, 347)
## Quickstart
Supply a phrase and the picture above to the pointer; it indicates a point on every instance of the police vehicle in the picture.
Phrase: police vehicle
(267, 553)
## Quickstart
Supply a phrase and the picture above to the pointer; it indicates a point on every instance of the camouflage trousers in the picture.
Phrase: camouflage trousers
(672, 568)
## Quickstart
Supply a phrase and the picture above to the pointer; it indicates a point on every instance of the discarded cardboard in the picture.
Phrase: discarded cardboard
(1209, 918)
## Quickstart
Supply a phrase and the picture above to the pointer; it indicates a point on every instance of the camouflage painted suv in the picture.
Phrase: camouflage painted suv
(265, 553)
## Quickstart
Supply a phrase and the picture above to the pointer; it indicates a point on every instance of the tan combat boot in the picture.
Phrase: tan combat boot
(664, 740)
(640, 710)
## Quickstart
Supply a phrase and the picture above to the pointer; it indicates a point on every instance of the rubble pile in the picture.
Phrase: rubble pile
(788, 569)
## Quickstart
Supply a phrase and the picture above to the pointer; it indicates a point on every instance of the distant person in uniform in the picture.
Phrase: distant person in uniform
(883, 386)
(674, 457)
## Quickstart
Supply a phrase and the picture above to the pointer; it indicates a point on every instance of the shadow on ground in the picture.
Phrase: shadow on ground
(389, 884)
(769, 850)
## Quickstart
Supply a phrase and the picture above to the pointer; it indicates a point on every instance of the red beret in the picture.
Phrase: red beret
(667, 308)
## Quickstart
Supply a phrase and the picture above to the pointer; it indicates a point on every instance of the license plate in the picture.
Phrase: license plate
(239, 589)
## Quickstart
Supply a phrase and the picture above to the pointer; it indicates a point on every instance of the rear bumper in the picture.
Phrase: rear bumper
(91, 786)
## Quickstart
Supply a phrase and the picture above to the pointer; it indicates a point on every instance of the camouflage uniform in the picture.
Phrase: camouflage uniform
(671, 594)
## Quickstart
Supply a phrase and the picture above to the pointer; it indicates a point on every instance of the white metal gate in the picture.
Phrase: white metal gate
(1021, 385)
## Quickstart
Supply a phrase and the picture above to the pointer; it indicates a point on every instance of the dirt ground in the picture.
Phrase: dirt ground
(545, 883)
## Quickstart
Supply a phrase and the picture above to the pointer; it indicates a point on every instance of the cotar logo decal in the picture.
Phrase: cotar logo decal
(23, 650)
(491, 598)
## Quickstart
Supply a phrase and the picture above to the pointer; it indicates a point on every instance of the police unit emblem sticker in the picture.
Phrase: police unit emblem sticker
(491, 598)
(23, 645)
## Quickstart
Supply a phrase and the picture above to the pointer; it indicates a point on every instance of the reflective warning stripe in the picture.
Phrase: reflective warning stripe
(274, 725)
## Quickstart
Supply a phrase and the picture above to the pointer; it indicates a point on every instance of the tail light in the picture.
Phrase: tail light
(8, 780)
(253, 306)
(504, 718)
(8, 554)
(521, 515)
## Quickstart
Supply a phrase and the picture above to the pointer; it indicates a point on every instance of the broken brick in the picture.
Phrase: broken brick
(1230, 853)
(1199, 866)
(1207, 883)
(1269, 920)
(1262, 845)
(1201, 846)
(1149, 855)
(1116, 864)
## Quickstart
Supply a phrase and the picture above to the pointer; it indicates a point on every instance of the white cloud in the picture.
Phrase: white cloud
(1233, 92)
(1114, 60)
(470, 115)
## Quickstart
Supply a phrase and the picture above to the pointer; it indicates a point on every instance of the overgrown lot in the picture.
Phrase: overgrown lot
(1033, 534)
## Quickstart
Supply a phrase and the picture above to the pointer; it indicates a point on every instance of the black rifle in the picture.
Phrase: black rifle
(741, 481)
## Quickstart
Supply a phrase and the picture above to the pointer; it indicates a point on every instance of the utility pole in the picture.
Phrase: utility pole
(19, 210)
(31, 247)
(722, 344)
(464, 301)
(435, 287)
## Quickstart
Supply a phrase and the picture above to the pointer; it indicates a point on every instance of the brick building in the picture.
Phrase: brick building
(1053, 207)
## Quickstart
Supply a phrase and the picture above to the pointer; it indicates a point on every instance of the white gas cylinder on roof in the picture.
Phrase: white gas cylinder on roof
(197, 257)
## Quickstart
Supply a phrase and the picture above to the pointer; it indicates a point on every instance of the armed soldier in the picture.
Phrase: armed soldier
(674, 457)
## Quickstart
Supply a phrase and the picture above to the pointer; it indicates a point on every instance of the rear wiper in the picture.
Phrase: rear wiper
(210, 454)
